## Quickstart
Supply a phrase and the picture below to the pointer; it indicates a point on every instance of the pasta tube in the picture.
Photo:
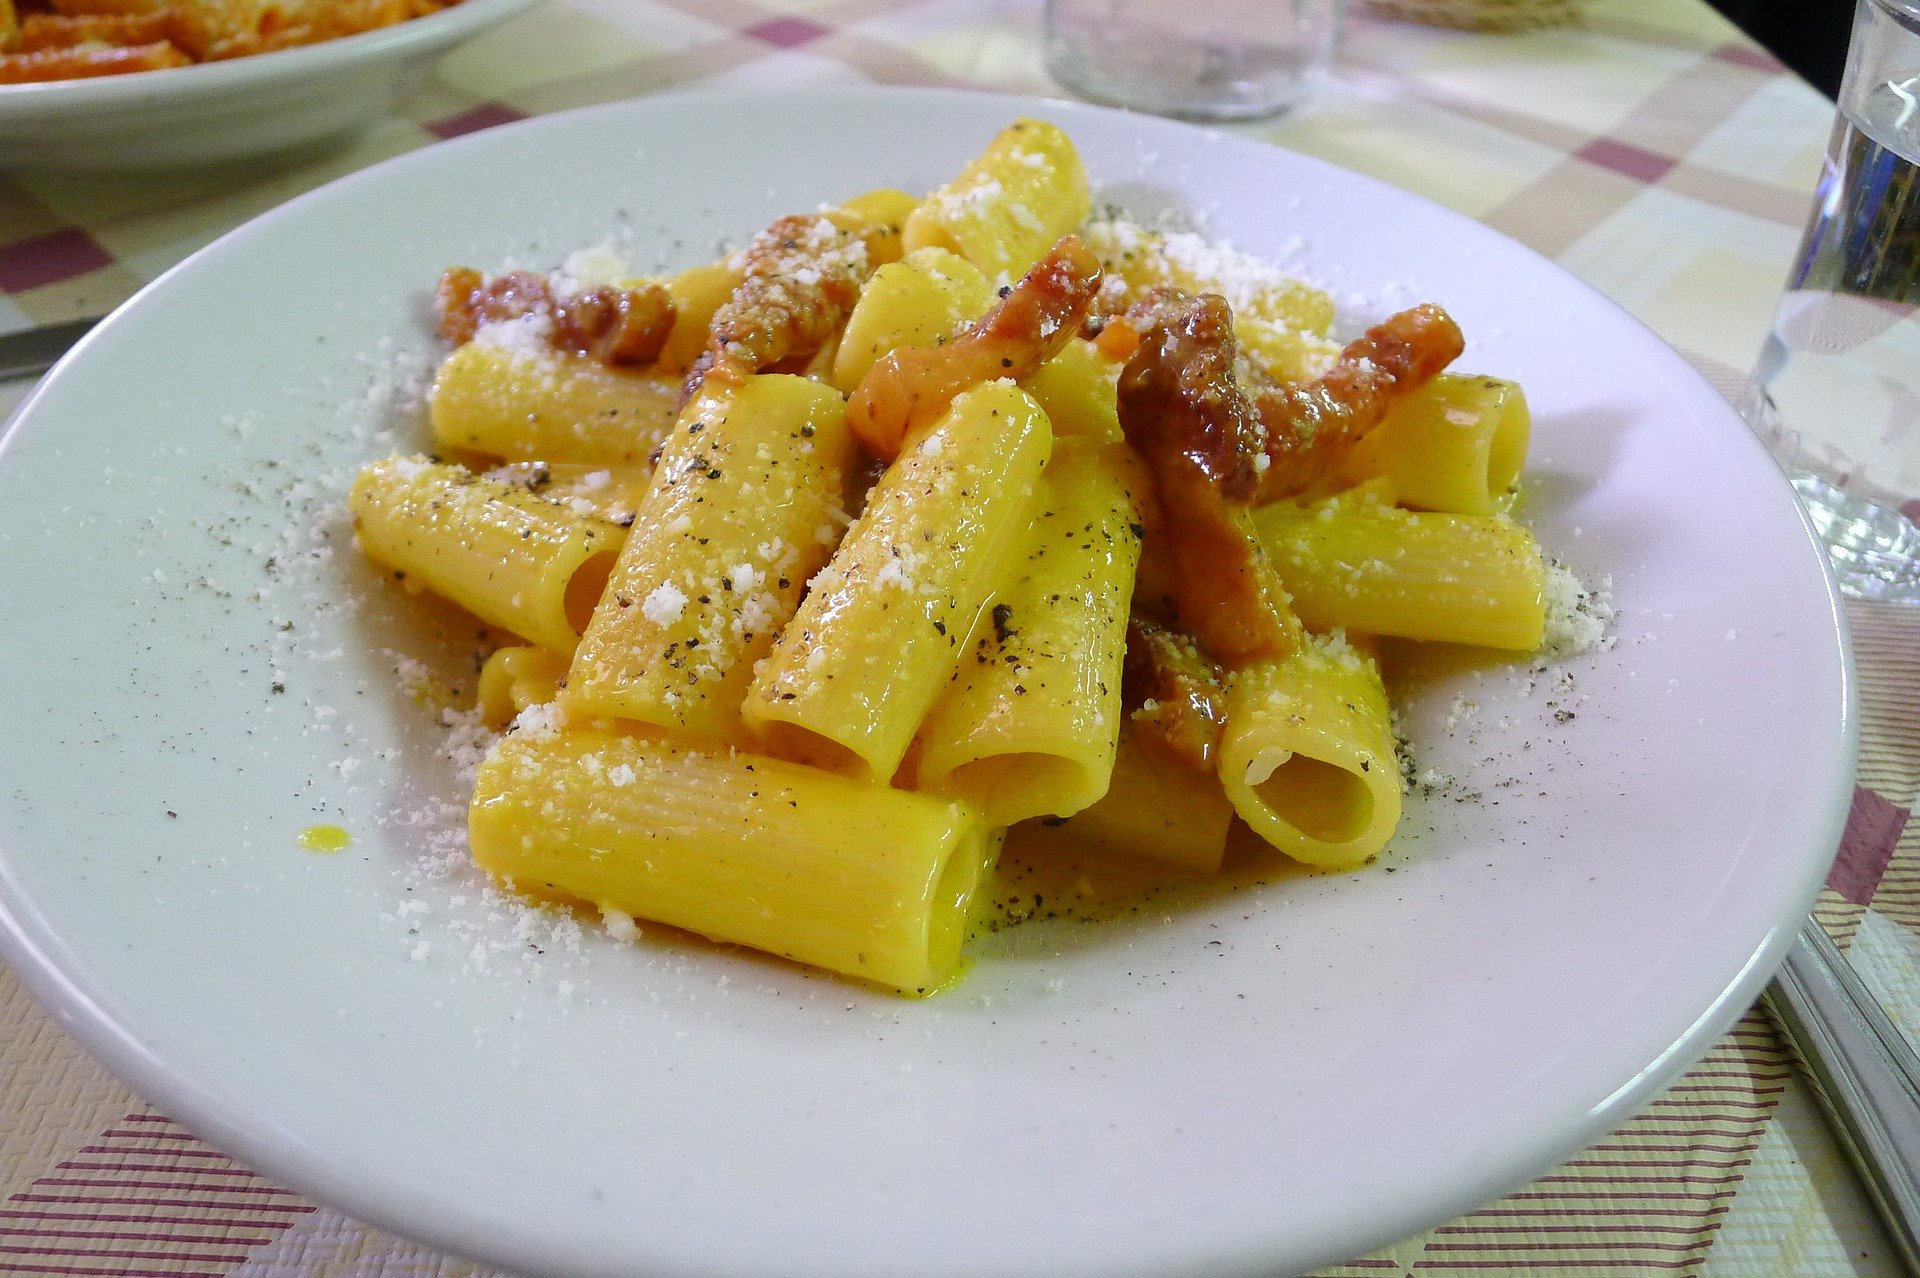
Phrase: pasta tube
(861, 879)
(514, 560)
(612, 493)
(1358, 565)
(1079, 389)
(697, 293)
(542, 405)
(921, 300)
(745, 507)
(1307, 759)
(1280, 322)
(1028, 727)
(1008, 207)
(1155, 810)
(512, 679)
(887, 210)
(1456, 445)
(851, 678)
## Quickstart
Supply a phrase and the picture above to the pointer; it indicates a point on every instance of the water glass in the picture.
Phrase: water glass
(1196, 59)
(1836, 392)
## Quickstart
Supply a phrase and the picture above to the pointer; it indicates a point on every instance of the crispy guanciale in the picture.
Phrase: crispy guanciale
(1221, 435)
(617, 326)
(1302, 428)
(1034, 318)
(1183, 413)
(1173, 691)
(1309, 426)
(803, 275)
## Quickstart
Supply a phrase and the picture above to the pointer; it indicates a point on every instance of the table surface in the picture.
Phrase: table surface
(1651, 150)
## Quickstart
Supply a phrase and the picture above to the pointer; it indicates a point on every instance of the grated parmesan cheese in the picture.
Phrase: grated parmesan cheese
(541, 721)
(664, 604)
(585, 268)
(619, 924)
(527, 336)
(1577, 617)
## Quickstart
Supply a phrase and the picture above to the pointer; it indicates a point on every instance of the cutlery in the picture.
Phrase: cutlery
(1862, 1071)
(28, 352)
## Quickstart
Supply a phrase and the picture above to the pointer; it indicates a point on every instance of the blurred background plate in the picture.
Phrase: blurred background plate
(227, 110)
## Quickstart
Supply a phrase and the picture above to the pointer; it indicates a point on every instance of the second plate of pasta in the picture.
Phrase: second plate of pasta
(1033, 691)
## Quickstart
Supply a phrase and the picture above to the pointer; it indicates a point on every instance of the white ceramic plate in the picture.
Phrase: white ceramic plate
(226, 110)
(1251, 1083)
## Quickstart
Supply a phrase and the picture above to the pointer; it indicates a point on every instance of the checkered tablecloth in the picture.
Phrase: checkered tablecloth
(1650, 150)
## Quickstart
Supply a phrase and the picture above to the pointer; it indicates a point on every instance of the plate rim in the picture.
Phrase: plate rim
(201, 1110)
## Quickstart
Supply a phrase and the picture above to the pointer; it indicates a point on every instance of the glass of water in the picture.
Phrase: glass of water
(1836, 392)
(1197, 59)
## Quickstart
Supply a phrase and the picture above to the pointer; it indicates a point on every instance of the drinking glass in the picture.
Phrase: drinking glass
(1836, 392)
(1197, 59)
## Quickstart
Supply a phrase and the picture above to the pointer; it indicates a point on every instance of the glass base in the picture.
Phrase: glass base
(1203, 102)
(1211, 60)
(1874, 550)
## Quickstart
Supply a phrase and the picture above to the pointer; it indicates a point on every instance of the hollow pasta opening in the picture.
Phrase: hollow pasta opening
(928, 233)
(961, 874)
(1013, 787)
(1317, 798)
(584, 588)
(1507, 446)
(514, 678)
(801, 745)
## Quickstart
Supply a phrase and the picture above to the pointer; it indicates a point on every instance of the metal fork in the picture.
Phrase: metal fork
(31, 351)
(1863, 1073)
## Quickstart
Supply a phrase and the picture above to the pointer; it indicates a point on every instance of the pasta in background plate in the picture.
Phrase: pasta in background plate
(43, 40)
(921, 518)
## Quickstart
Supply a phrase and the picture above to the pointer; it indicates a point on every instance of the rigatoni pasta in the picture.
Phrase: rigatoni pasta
(525, 402)
(1358, 564)
(1027, 727)
(1307, 758)
(697, 293)
(514, 679)
(1007, 208)
(739, 848)
(920, 520)
(1455, 446)
(886, 622)
(1279, 320)
(921, 300)
(612, 493)
(532, 566)
(1077, 389)
(1155, 810)
(745, 507)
